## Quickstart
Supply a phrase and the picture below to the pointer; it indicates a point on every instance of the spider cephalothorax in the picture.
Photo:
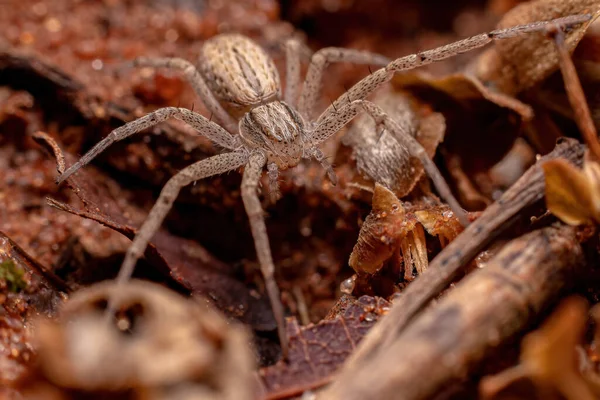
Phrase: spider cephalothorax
(278, 130)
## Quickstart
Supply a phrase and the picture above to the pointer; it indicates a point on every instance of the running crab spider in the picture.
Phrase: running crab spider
(236, 77)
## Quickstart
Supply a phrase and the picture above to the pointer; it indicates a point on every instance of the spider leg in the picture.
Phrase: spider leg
(251, 177)
(313, 82)
(195, 79)
(202, 169)
(273, 173)
(292, 72)
(334, 122)
(318, 155)
(209, 129)
(368, 84)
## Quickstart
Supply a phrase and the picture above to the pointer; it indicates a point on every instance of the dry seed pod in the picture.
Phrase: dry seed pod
(514, 65)
(162, 344)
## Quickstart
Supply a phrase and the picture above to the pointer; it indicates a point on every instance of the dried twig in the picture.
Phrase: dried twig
(11, 250)
(575, 93)
(447, 343)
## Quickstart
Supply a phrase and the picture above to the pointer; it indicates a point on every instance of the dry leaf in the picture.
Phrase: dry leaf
(380, 157)
(317, 351)
(185, 261)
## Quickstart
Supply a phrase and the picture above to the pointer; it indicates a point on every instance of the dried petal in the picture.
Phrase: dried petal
(440, 222)
(569, 194)
(591, 169)
(462, 87)
(414, 252)
(380, 232)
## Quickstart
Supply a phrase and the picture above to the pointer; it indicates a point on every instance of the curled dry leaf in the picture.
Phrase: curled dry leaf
(317, 351)
(572, 194)
(549, 359)
(380, 157)
(161, 345)
(462, 87)
(391, 230)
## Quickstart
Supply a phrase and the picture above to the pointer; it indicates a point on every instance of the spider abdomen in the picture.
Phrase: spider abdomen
(239, 72)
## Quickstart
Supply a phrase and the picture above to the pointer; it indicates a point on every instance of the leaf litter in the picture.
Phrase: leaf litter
(433, 108)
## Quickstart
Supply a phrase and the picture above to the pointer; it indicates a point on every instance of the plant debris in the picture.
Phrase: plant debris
(12, 276)
(201, 354)
(422, 308)
(451, 339)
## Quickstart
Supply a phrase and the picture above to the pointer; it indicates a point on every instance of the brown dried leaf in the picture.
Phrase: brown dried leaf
(380, 157)
(549, 357)
(475, 115)
(570, 194)
(462, 87)
(514, 65)
(317, 351)
(185, 261)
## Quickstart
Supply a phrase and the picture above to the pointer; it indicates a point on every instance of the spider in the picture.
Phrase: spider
(236, 77)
